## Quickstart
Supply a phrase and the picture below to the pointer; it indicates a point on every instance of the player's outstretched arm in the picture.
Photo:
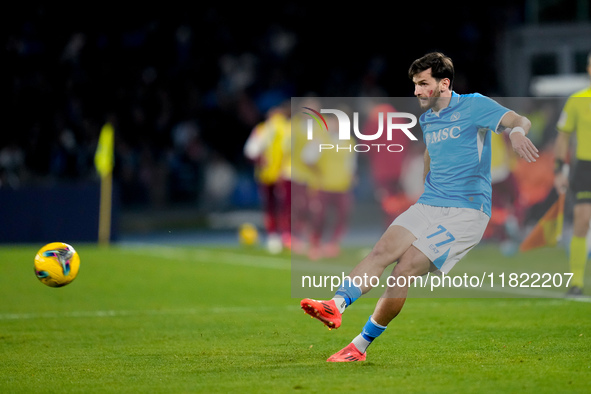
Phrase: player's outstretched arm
(518, 128)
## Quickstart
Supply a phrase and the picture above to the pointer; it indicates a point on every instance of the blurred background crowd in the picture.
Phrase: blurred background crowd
(184, 88)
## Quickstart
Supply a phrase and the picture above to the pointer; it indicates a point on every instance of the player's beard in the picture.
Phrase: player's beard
(431, 102)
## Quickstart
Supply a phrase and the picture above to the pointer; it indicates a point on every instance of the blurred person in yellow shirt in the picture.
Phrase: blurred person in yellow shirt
(301, 176)
(576, 118)
(285, 175)
(266, 147)
(333, 173)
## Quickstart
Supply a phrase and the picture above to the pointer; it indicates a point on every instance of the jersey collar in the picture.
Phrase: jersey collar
(454, 100)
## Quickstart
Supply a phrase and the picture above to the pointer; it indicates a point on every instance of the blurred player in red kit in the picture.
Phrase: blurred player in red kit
(266, 147)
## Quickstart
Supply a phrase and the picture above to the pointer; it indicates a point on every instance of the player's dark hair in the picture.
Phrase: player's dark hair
(441, 66)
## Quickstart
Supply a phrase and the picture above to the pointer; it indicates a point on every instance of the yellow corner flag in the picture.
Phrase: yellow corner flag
(548, 230)
(103, 158)
(104, 161)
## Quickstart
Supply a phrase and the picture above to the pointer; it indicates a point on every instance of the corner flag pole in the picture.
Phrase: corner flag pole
(104, 232)
(103, 161)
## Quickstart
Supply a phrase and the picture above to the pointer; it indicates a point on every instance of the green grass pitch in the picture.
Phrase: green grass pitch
(167, 319)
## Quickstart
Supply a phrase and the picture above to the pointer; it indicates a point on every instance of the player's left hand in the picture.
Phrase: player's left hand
(524, 147)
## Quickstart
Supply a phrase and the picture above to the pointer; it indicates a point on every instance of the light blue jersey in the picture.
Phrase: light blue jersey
(459, 143)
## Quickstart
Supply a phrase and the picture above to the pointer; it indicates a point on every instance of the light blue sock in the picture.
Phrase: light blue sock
(346, 295)
(371, 331)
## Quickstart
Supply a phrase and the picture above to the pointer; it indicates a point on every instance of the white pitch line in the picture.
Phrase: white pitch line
(149, 312)
(203, 255)
(209, 256)
(213, 310)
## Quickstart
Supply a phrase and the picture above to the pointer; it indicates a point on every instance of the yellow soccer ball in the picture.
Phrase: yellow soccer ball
(56, 264)
(248, 234)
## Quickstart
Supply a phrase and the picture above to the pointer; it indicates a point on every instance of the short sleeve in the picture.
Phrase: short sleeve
(487, 113)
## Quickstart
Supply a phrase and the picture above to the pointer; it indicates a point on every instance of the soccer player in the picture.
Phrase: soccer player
(576, 117)
(266, 148)
(330, 192)
(301, 176)
(451, 215)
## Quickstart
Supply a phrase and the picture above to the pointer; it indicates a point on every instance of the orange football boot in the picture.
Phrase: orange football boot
(348, 354)
(325, 311)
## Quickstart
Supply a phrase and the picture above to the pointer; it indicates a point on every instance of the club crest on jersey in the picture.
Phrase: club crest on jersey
(455, 116)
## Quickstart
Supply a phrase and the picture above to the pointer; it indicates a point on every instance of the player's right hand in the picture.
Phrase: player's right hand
(524, 147)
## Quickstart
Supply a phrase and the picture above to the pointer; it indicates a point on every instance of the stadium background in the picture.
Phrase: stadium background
(186, 88)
